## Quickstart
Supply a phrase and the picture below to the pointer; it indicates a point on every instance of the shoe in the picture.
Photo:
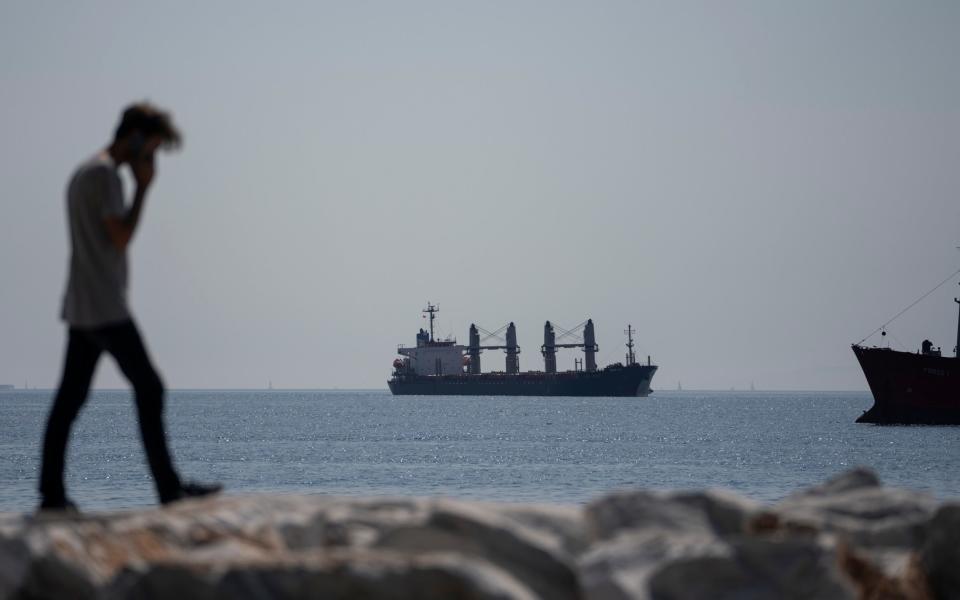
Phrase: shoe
(191, 489)
(61, 505)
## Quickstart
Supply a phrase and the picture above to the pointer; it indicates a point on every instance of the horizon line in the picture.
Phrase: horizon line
(384, 389)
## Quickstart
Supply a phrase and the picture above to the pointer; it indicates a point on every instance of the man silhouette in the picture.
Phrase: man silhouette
(95, 302)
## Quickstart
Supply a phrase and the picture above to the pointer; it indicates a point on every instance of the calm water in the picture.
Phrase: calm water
(760, 444)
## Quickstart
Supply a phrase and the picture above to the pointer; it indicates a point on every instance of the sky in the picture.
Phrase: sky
(753, 186)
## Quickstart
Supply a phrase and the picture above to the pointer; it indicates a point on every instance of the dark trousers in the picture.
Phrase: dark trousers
(84, 347)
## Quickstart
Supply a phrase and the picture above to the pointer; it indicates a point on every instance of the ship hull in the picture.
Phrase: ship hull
(632, 380)
(908, 388)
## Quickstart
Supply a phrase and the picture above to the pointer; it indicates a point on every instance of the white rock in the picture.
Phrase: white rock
(857, 478)
(622, 566)
(536, 559)
(846, 537)
(655, 563)
(854, 506)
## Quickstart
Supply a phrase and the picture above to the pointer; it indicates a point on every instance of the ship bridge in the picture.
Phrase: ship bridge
(432, 356)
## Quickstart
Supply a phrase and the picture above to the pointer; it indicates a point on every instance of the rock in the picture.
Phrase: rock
(940, 555)
(38, 559)
(335, 574)
(532, 557)
(726, 513)
(621, 567)
(281, 540)
(847, 538)
(884, 575)
(757, 568)
(857, 508)
(612, 515)
(708, 512)
(687, 545)
(564, 524)
(14, 564)
(857, 478)
(656, 564)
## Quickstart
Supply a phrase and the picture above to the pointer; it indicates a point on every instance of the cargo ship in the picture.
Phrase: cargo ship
(912, 388)
(443, 367)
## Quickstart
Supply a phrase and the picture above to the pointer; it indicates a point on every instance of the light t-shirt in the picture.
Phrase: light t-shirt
(96, 293)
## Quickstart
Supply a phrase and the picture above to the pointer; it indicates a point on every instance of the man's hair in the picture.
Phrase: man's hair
(149, 121)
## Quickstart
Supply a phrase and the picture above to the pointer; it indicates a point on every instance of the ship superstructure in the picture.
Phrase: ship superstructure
(435, 367)
(431, 356)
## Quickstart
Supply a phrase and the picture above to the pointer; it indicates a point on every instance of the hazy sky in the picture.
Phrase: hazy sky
(753, 186)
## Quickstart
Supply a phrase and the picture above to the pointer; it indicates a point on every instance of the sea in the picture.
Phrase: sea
(764, 445)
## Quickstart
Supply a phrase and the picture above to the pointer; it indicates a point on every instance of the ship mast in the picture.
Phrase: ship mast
(431, 310)
(956, 349)
(631, 358)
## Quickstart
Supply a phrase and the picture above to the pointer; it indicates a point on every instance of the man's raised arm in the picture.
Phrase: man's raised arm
(121, 228)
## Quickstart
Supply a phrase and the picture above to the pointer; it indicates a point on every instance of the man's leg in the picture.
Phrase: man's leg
(78, 367)
(124, 343)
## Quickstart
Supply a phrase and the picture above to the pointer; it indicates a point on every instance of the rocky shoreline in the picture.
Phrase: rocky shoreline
(850, 537)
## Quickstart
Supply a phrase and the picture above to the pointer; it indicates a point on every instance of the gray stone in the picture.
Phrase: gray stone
(865, 516)
(338, 574)
(656, 564)
(565, 525)
(940, 556)
(707, 512)
(14, 565)
(621, 567)
(849, 537)
(857, 478)
(726, 512)
(536, 559)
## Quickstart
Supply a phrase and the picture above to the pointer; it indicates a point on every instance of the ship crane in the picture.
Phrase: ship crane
(631, 357)
(509, 345)
(587, 342)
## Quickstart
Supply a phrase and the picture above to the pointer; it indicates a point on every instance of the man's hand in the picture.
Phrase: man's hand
(143, 170)
(121, 229)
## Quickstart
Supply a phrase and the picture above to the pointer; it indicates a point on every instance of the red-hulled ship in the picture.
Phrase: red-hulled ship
(921, 388)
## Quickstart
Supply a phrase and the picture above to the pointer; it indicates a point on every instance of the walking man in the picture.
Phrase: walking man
(95, 302)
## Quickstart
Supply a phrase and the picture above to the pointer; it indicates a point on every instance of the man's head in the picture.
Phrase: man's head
(143, 128)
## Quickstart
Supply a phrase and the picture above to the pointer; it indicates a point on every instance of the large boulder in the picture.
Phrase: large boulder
(379, 547)
(857, 508)
(710, 512)
(941, 552)
(531, 556)
(698, 545)
(847, 538)
(338, 573)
